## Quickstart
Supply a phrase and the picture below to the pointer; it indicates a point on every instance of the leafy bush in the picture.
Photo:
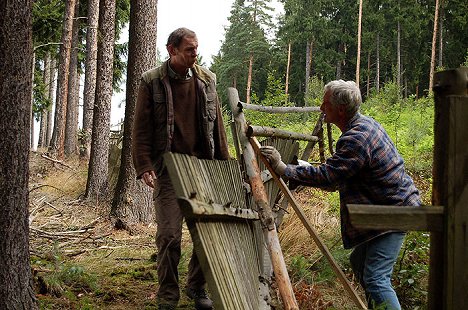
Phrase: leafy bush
(409, 123)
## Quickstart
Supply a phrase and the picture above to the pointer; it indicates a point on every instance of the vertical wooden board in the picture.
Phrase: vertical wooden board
(457, 208)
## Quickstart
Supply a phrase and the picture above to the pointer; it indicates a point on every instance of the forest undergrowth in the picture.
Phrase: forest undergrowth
(80, 261)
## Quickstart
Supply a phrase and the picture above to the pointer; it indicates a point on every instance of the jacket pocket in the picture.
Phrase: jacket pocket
(159, 121)
(211, 106)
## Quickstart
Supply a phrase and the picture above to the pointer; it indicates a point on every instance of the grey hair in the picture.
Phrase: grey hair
(345, 93)
(176, 36)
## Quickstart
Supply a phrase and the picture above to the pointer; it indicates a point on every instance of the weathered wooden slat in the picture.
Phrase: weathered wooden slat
(195, 208)
(279, 110)
(221, 225)
(426, 218)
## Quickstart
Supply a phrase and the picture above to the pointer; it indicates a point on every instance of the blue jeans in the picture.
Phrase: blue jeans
(372, 264)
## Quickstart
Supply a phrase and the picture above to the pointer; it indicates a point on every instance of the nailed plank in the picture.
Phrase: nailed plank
(426, 218)
(198, 208)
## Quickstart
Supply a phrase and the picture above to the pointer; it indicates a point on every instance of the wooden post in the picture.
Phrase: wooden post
(448, 278)
(264, 211)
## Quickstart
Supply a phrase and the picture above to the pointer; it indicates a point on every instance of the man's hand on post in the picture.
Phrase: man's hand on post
(274, 158)
(149, 177)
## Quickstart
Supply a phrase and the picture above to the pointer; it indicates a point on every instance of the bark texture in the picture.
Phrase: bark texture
(132, 201)
(90, 77)
(43, 124)
(97, 186)
(16, 57)
(58, 137)
(71, 127)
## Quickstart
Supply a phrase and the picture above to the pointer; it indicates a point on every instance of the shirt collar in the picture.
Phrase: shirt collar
(352, 120)
(177, 76)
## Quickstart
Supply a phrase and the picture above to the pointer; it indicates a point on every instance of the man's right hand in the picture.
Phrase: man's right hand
(274, 158)
(149, 177)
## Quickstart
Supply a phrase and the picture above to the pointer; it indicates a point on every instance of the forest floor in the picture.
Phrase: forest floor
(80, 261)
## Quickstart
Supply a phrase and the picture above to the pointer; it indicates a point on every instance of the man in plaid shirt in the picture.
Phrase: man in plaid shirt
(367, 169)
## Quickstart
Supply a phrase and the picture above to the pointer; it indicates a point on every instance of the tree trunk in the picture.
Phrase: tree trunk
(368, 73)
(249, 78)
(50, 125)
(358, 56)
(33, 67)
(90, 77)
(441, 32)
(287, 73)
(398, 73)
(377, 71)
(307, 71)
(16, 286)
(133, 201)
(97, 185)
(58, 136)
(71, 123)
(43, 124)
(433, 49)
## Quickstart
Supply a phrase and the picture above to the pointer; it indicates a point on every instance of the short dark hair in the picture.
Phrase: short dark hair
(176, 36)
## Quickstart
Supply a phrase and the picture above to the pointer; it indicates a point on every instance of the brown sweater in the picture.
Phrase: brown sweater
(186, 139)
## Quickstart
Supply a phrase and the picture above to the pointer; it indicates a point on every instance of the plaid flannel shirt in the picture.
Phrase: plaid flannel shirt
(367, 169)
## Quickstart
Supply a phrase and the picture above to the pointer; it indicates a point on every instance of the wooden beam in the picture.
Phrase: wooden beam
(263, 207)
(426, 218)
(278, 110)
(263, 131)
(198, 208)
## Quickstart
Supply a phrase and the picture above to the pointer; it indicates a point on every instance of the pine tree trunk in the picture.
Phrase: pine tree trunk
(71, 124)
(307, 71)
(368, 73)
(33, 66)
(377, 71)
(441, 32)
(249, 78)
(58, 137)
(50, 118)
(287, 73)
(433, 49)
(90, 77)
(43, 124)
(358, 56)
(398, 73)
(133, 201)
(16, 57)
(97, 185)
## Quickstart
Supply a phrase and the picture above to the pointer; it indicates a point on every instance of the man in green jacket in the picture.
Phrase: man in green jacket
(177, 110)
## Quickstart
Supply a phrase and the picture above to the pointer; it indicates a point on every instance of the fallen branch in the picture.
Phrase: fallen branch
(129, 258)
(56, 161)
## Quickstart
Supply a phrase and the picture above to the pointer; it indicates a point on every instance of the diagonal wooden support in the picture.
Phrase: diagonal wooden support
(264, 211)
(323, 248)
